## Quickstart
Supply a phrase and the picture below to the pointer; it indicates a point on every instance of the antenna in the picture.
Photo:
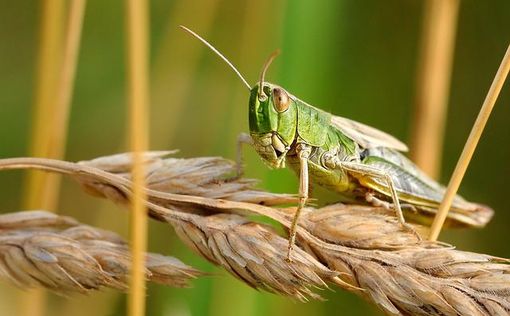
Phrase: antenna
(263, 73)
(217, 53)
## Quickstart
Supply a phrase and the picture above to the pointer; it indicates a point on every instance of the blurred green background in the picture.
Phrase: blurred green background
(357, 59)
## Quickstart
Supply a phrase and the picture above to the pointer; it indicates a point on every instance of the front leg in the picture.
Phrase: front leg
(303, 152)
(243, 138)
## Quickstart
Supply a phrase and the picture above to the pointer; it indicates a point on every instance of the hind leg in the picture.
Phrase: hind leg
(375, 201)
(364, 170)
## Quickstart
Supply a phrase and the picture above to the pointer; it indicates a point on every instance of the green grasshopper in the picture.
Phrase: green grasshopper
(357, 161)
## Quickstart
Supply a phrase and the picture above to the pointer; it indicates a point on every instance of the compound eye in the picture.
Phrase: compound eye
(281, 100)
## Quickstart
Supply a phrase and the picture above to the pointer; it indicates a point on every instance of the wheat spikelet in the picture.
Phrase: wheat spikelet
(38, 248)
(359, 248)
(211, 177)
(410, 277)
(253, 253)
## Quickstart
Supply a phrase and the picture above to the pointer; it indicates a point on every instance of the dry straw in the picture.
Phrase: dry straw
(361, 249)
(138, 98)
(470, 146)
(55, 80)
(433, 83)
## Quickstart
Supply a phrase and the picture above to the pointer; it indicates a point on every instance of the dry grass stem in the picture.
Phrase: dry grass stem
(433, 83)
(358, 248)
(470, 146)
(64, 91)
(40, 249)
(138, 101)
(42, 190)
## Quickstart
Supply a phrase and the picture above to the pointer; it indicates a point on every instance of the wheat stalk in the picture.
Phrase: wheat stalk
(433, 83)
(41, 249)
(359, 248)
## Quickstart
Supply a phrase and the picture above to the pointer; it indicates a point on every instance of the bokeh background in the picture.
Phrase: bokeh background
(357, 59)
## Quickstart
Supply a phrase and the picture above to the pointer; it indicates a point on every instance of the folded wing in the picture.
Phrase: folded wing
(366, 136)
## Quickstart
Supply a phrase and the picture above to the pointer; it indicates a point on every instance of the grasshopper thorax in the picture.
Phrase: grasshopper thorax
(273, 122)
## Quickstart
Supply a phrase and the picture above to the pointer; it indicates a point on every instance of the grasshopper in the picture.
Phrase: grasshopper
(357, 161)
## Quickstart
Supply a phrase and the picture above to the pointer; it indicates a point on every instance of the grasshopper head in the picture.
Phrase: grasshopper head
(273, 122)
(273, 114)
(273, 119)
